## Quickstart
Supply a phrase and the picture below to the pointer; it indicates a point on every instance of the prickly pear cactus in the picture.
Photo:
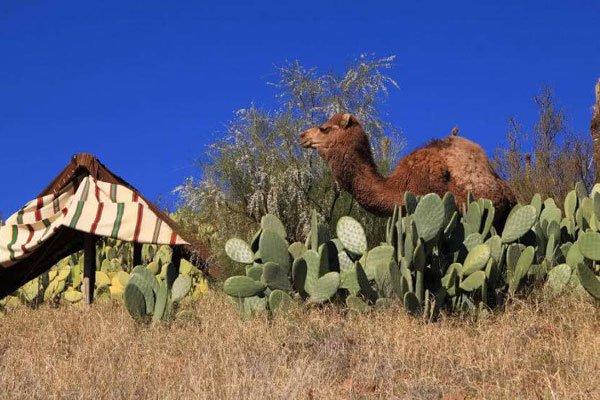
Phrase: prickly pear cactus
(519, 221)
(352, 235)
(239, 251)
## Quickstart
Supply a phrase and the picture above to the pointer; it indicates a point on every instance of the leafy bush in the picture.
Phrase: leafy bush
(433, 258)
(549, 159)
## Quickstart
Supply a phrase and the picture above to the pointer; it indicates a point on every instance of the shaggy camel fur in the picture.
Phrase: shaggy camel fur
(453, 164)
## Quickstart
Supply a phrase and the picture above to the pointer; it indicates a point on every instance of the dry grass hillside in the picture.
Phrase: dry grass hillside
(545, 349)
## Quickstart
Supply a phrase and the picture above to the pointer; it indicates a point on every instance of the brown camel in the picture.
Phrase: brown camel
(453, 164)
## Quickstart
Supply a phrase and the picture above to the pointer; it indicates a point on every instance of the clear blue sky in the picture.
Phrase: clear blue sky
(147, 85)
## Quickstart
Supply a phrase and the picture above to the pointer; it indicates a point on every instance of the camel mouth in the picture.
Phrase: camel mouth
(307, 143)
(307, 140)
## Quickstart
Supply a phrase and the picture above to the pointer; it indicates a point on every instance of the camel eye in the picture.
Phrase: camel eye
(325, 129)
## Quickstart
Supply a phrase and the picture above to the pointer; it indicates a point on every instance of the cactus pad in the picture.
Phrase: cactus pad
(476, 259)
(239, 251)
(352, 235)
(429, 216)
(275, 277)
(518, 223)
(473, 281)
(280, 301)
(589, 281)
(412, 305)
(274, 249)
(324, 288)
(356, 304)
(589, 245)
(269, 222)
(558, 278)
(242, 286)
(181, 287)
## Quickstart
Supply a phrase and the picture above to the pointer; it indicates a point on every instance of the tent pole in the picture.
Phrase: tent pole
(176, 257)
(89, 268)
(137, 254)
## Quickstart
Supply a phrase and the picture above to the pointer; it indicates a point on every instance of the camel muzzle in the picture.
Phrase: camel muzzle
(306, 139)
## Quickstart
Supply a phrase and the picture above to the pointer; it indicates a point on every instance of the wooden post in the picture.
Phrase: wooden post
(137, 254)
(89, 268)
(176, 257)
(595, 131)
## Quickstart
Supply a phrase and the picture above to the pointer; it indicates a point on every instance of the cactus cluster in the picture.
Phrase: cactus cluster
(434, 259)
(146, 294)
(114, 259)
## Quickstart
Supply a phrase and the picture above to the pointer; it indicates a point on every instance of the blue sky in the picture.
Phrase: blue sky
(147, 85)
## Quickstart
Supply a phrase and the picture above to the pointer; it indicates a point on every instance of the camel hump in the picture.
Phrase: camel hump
(454, 164)
(471, 169)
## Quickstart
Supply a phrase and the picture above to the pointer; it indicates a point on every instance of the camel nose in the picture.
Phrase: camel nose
(303, 138)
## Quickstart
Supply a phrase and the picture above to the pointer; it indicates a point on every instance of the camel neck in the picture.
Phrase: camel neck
(371, 190)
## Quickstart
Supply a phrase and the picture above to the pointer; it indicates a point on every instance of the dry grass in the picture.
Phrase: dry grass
(534, 350)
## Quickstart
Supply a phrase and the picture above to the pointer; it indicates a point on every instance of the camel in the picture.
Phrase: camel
(453, 164)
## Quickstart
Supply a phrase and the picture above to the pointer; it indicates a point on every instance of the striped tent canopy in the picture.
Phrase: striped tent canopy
(95, 207)
(85, 198)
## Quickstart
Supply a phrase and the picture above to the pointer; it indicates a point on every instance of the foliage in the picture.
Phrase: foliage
(548, 160)
(114, 259)
(259, 168)
(433, 259)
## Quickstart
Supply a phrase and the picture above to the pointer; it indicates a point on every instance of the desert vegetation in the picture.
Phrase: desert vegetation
(314, 297)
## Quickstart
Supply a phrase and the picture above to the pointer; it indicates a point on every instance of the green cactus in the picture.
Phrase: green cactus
(269, 222)
(299, 273)
(558, 279)
(296, 249)
(274, 249)
(242, 286)
(73, 296)
(521, 268)
(356, 304)
(181, 287)
(410, 202)
(474, 239)
(473, 282)
(275, 276)
(519, 221)
(472, 219)
(429, 216)
(324, 288)
(255, 271)
(239, 251)
(412, 304)
(570, 205)
(589, 245)
(349, 280)
(377, 258)
(139, 295)
(476, 259)
(589, 280)
(280, 302)
(352, 235)
(162, 298)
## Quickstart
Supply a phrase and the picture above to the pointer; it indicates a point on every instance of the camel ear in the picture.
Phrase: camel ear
(345, 122)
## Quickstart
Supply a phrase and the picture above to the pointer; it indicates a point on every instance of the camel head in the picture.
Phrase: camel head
(341, 136)
(343, 144)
